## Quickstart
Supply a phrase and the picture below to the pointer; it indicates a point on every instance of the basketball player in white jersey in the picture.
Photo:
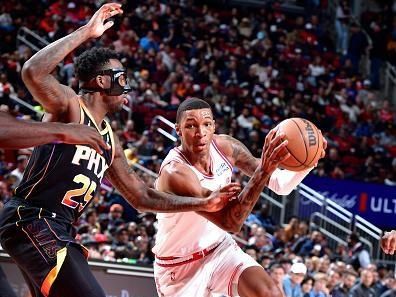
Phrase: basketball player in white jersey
(195, 254)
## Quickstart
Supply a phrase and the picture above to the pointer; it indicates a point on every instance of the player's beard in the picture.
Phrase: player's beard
(116, 104)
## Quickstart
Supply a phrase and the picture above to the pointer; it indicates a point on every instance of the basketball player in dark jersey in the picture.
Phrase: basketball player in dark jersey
(18, 134)
(61, 179)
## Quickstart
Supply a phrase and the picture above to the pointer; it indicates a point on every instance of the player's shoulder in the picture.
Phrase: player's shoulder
(70, 114)
(175, 167)
(176, 175)
(224, 143)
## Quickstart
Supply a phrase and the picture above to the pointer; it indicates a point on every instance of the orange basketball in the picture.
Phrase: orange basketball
(305, 143)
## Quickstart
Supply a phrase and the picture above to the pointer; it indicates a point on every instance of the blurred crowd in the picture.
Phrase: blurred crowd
(255, 67)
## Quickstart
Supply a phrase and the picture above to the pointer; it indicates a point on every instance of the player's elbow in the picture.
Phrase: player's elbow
(282, 192)
(280, 189)
(29, 72)
(139, 197)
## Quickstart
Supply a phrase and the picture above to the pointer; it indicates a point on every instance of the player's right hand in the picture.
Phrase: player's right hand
(97, 24)
(274, 151)
(218, 199)
(81, 134)
(388, 242)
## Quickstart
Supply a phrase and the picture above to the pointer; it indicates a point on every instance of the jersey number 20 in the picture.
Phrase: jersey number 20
(87, 189)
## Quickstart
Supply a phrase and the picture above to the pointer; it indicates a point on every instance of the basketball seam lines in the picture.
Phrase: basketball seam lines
(317, 147)
(305, 145)
(301, 164)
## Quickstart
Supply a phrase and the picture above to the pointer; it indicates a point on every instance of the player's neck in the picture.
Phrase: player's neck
(96, 108)
(201, 160)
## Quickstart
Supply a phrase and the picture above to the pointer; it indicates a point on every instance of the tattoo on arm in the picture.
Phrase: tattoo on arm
(143, 198)
(36, 72)
(242, 157)
(234, 214)
(243, 206)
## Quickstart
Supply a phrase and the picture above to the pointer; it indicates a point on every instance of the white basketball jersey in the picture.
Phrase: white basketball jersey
(181, 234)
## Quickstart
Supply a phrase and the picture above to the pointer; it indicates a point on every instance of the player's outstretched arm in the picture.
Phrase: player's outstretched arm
(16, 134)
(36, 72)
(143, 198)
(282, 182)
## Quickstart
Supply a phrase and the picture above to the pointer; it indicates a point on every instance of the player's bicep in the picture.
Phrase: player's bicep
(52, 95)
(239, 154)
(120, 173)
(178, 179)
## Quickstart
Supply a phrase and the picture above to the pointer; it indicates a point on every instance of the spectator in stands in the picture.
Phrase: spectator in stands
(292, 282)
(364, 287)
(319, 288)
(5, 194)
(357, 47)
(307, 285)
(291, 229)
(265, 218)
(378, 283)
(277, 273)
(91, 218)
(304, 246)
(6, 89)
(113, 219)
(343, 289)
(252, 251)
(341, 25)
(391, 292)
(358, 256)
(145, 255)
(377, 52)
(334, 279)
(129, 134)
(261, 240)
(279, 238)
(17, 173)
(122, 247)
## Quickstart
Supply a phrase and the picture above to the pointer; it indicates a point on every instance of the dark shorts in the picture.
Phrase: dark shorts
(52, 263)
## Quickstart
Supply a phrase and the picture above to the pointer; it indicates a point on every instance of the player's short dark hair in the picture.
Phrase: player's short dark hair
(92, 61)
(276, 265)
(190, 104)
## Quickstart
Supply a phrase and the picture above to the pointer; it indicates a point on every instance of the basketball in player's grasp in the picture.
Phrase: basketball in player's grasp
(305, 143)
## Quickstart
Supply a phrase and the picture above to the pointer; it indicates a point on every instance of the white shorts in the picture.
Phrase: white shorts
(216, 274)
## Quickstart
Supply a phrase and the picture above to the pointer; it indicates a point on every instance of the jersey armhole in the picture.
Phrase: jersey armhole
(222, 155)
(111, 133)
(82, 116)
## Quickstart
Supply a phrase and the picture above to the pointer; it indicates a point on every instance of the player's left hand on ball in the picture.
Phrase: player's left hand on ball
(323, 153)
(388, 242)
(324, 145)
(218, 199)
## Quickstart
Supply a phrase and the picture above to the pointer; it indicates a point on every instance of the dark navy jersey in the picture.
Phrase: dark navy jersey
(63, 178)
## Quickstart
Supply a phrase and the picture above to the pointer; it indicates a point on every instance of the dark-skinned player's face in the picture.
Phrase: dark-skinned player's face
(114, 103)
(196, 129)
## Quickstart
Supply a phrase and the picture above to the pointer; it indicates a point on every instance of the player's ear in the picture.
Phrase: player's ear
(177, 128)
(100, 81)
